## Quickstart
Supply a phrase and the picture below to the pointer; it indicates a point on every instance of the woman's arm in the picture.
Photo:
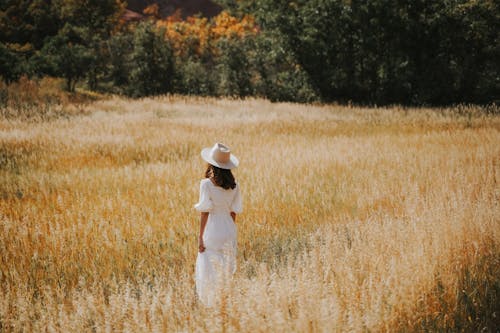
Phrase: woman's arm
(203, 223)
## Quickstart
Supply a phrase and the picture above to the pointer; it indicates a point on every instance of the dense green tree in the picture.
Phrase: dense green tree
(194, 78)
(385, 51)
(27, 22)
(473, 35)
(119, 47)
(233, 68)
(98, 61)
(28, 27)
(24, 25)
(67, 55)
(277, 75)
(151, 62)
(9, 64)
(98, 16)
(96, 19)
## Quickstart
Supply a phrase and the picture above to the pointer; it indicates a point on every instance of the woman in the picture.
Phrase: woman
(220, 201)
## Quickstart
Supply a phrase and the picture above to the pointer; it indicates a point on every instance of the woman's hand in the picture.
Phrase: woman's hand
(201, 246)
(203, 223)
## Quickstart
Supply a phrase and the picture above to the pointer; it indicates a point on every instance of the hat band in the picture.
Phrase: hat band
(221, 156)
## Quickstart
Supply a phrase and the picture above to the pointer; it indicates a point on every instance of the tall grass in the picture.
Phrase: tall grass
(41, 99)
(355, 219)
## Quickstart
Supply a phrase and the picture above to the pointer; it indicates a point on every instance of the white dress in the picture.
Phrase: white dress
(216, 265)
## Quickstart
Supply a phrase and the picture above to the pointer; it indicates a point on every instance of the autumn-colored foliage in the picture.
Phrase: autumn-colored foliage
(152, 10)
(198, 35)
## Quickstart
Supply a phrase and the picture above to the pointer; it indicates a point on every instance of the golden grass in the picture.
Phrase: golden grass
(355, 219)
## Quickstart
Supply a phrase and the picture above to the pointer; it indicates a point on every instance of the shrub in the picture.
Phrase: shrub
(151, 62)
(194, 78)
(37, 99)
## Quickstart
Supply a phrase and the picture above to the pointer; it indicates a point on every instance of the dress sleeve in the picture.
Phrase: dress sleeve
(237, 204)
(205, 203)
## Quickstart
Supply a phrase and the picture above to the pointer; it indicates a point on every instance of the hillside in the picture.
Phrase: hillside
(206, 8)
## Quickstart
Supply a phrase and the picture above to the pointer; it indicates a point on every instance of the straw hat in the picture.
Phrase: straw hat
(220, 156)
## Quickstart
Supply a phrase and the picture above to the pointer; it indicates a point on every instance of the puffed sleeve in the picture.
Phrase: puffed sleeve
(205, 203)
(237, 204)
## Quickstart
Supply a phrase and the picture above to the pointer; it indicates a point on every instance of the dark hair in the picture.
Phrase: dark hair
(221, 177)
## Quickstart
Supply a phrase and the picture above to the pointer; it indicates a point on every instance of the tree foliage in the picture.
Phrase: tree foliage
(67, 56)
(376, 51)
(381, 51)
(151, 63)
(58, 37)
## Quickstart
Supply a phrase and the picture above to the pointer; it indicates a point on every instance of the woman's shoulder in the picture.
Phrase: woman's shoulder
(205, 181)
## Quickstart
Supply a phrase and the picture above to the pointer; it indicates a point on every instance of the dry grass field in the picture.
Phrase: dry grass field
(355, 219)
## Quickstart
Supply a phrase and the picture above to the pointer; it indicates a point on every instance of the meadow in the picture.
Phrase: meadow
(355, 219)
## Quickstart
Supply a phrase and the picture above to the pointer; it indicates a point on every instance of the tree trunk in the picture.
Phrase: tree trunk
(69, 84)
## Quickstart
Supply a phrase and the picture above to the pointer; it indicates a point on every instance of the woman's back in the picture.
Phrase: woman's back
(220, 200)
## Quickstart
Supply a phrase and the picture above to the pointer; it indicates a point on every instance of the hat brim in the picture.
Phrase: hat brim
(207, 156)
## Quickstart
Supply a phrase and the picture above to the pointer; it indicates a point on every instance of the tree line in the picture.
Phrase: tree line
(376, 51)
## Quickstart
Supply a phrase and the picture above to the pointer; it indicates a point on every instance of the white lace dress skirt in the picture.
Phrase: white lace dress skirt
(216, 265)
